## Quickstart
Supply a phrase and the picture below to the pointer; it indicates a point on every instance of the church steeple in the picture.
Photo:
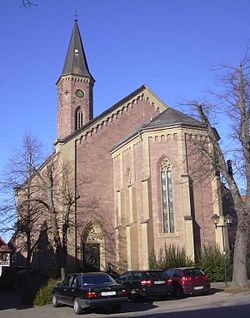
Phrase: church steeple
(75, 88)
(76, 62)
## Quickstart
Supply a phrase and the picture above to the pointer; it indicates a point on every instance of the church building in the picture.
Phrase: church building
(137, 162)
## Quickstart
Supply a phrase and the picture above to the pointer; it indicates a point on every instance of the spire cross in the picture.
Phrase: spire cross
(76, 15)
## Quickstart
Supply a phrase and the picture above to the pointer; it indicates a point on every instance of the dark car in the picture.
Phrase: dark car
(89, 290)
(146, 283)
(188, 280)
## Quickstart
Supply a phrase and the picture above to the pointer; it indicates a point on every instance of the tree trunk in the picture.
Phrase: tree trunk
(28, 261)
(240, 279)
(61, 261)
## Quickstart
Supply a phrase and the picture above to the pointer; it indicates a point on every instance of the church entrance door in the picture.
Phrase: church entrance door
(91, 257)
(93, 251)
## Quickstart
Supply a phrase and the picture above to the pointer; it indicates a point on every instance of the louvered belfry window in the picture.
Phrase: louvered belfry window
(78, 118)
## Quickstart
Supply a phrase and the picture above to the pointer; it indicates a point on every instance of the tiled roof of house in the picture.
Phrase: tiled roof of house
(3, 246)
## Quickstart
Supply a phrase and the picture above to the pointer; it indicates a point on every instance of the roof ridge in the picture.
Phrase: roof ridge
(104, 113)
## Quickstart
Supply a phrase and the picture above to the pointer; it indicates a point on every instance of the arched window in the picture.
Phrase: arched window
(167, 197)
(78, 118)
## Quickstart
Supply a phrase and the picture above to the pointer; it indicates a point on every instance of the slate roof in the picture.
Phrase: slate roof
(76, 62)
(169, 117)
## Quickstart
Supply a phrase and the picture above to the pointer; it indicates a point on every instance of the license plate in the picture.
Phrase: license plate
(158, 282)
(108, 293)
(198, 287)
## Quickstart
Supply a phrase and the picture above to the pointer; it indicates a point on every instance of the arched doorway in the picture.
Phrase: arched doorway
(93, 252)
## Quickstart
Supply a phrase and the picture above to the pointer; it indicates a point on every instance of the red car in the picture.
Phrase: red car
(188, 280)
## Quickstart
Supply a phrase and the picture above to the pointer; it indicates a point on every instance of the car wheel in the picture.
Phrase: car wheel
(165, 297)
(116, 308)
(77, 308)
(179, 292)
(54, 301)
(133, 295)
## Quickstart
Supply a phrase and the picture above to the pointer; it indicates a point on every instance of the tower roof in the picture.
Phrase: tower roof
(76, 62)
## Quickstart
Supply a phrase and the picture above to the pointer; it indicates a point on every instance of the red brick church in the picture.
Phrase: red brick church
(139, 162)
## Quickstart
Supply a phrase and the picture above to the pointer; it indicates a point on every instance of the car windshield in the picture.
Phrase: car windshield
(155, 274)
(193, 272)
(96, 279)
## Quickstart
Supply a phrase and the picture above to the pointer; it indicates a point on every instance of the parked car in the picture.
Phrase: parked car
(146, 283)
(188, 280)
(89, 290)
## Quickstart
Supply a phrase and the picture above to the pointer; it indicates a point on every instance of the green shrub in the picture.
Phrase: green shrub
(213, 262)
(170, 256)
(44, 294)
(28, 285)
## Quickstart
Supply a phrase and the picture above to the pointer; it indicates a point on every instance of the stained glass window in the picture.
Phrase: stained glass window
(167, 197)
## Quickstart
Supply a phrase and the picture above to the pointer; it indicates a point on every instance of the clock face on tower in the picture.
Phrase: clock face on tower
(79, 93)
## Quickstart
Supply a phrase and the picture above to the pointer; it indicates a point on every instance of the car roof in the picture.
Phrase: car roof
(184, 268)
(89, 273)
(144, 270)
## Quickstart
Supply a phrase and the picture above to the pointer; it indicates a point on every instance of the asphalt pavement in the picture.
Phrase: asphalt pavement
(220, 303)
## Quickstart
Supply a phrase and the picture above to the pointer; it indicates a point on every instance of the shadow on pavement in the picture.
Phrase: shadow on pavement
(135, 307)
(241, 311)
(127, 307)
(10, 300)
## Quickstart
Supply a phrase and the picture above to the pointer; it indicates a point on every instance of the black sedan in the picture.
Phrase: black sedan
(146, 283)
(89, 290)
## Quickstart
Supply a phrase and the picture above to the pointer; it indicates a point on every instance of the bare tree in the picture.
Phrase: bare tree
(61, 200)
(28, 4)
(20, 216)
(39, 198)
(236, 101)
(57, 195)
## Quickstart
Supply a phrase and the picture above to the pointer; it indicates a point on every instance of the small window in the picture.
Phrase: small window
(177, 273)
(168, 272)
(193, 272)
(96, 279)
(74, 282)
(76, 52)
(156, 274)
(67, 281)
(136, 276)
(123, 277)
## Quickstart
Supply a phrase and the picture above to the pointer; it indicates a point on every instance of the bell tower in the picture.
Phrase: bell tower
(74, 89)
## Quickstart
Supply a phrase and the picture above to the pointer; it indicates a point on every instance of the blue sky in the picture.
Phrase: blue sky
(169, 45)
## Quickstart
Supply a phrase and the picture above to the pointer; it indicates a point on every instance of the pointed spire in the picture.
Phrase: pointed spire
(76, 62)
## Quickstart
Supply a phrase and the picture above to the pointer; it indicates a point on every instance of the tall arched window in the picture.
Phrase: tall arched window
(78, 118)
(167, 197)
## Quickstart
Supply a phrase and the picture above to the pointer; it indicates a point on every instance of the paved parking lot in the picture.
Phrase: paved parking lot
(11, 307)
